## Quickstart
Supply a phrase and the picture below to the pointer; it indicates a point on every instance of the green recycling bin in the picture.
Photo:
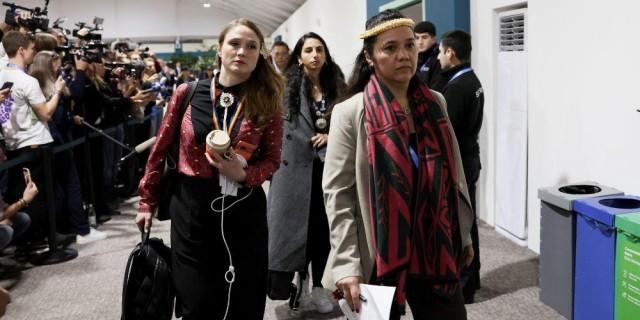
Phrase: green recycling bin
(627, 286)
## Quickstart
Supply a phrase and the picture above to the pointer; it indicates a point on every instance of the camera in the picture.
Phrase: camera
(90, 52)
(88, 33)
(120, 71)
(144, 52)
(38, 20)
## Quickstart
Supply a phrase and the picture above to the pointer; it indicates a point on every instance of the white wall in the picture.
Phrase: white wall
(582, 96)
(338, 22)
(169, 47)
(141, 18)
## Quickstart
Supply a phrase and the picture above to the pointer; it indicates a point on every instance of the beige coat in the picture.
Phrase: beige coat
(346, 191)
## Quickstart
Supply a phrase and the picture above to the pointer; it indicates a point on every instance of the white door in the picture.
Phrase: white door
(511, 127)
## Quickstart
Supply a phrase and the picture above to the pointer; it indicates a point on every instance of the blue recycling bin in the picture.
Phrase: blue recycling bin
(558, 241)
(595, 254)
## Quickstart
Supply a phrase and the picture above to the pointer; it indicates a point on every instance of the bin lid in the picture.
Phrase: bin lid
(605, 209)
(563, 196)
(629, 223)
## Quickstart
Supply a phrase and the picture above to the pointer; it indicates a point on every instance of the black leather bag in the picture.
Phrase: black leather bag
(280, 286)
(148, 291)
(170, 176)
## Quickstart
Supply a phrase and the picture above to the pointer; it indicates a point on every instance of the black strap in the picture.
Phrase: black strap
(133, 254)
(191, 90)
(173, 152)
(144, 237)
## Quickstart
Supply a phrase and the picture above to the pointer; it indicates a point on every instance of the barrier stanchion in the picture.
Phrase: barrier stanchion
(88, 168)
(54, 255)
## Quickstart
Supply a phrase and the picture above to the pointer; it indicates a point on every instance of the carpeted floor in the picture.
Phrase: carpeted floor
(89, 287)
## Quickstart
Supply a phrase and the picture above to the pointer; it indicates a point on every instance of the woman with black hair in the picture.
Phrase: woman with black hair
(395, 193)
(298, 227)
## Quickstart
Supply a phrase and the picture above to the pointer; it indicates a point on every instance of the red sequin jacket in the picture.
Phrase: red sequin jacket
(192, 162)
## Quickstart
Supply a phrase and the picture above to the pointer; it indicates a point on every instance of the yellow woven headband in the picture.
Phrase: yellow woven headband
(386, 26)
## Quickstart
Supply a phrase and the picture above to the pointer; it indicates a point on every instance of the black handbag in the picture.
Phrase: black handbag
(279, 285)
(170, 176)
(148, 291)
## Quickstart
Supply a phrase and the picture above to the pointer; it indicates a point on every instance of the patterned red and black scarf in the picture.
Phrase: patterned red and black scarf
(416, 233)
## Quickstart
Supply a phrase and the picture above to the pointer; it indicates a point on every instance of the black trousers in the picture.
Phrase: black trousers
(470, 276)
(95, 146)
(318, 245)
(70, 215)
(426, 305)
(199, 257)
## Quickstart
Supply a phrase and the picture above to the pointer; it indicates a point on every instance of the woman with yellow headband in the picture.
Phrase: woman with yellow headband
(395, 193)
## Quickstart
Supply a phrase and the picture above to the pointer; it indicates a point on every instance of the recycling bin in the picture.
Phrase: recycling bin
(595, 254)
(558, 239)
(627, 298)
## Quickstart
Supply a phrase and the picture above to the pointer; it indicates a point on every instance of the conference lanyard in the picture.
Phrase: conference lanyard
(226, 109)
(459, 73)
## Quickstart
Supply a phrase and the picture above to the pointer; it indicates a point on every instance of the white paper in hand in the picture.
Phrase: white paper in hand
(377, 306)
(346, 310)
(379, 300)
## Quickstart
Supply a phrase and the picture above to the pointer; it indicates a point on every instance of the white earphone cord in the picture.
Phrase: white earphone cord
(230, 279)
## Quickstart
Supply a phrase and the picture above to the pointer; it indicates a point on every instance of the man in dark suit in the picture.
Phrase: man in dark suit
(428, 64)
(465, 102)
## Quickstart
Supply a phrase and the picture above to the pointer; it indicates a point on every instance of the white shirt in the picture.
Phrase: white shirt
(4, 58)
(20, 123)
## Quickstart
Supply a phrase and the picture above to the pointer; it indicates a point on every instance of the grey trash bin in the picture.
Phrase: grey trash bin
(558, 241)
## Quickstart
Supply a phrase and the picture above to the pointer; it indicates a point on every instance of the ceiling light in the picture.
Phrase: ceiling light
(206, 5)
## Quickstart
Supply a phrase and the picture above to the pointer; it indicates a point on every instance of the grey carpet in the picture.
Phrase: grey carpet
(89, 287)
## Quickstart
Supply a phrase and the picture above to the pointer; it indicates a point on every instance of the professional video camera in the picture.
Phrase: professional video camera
(120, 71)
(91, 51)
(124, 46)
(38, 20)
(92, 48)
(57, 27)
(88, 33)
(144, 52)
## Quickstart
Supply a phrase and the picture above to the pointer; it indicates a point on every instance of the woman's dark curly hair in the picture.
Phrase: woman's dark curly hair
(331, 77)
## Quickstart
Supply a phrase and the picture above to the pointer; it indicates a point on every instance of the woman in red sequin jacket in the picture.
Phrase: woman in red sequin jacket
(219, 254)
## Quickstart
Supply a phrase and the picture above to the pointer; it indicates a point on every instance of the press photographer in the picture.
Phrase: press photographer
(30, 19)
(102, 106)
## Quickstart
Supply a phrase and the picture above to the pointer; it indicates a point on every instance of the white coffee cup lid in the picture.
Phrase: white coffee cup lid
(219, 138)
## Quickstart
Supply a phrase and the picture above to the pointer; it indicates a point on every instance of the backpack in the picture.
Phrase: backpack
(148, 291)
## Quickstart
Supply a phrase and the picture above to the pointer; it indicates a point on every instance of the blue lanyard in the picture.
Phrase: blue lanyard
(459, 73)
(15, 66)
(414, 157)
(320, 106)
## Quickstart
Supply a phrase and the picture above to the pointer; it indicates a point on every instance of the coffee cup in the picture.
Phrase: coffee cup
(217, 141)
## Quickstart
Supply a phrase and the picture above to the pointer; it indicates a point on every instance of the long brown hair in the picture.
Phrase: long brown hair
(96, 79)
(265, 87)
(42, 70)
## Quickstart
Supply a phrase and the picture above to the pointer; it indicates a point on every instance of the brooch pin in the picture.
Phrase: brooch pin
(226, 99)
(321, 123)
